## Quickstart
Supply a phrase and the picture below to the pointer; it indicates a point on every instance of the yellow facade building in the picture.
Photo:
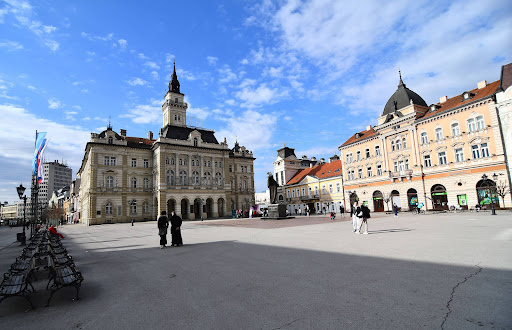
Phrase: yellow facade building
(431, 154)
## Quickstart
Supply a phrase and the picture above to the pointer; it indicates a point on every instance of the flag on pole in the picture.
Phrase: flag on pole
(37, 163)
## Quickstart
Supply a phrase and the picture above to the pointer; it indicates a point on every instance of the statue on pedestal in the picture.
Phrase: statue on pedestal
(272, 187)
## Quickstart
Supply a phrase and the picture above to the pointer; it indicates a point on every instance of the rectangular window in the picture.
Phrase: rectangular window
(288, 193)
(377, 151)
(358, 155)
(293, 193)
(368, 153)
(303, 192)
(298, 192)
(112, 161)
(107, 160)
(480, 122)
(379, 170)
(424, 138)
(323, 189)
(459, 155)
(475, 151)
(146, 163)
(439, 134)
(316, 190)
(338, 187)
(426, 161)
(442, 158)
(471, 125)
(407, 164)
(134, 162)
(119, 210)
(395, 166)
(360, 173)
(330, 189)
(485, 150)
(369, 172)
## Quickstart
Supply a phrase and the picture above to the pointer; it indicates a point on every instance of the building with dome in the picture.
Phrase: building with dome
(185, 169)
(432, 154)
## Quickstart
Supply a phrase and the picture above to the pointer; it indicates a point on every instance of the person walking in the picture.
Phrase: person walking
(355, 212)
(163, 224)
(342, 211)
(366, 215)
(395, 210)
(176, 230)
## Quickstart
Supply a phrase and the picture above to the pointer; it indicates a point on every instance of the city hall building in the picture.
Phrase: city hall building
(432, 154)
(185, 169)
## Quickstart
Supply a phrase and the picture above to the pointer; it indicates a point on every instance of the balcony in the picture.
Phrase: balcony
(400, 174)
(309, 196)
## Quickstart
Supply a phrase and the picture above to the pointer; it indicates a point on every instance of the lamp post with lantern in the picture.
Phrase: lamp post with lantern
(21, 192)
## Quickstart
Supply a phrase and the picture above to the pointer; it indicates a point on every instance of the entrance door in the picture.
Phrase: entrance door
(395, 199)
(378, 201)
(197, 208)
(439, 197)
(412, 198)
(184, 209)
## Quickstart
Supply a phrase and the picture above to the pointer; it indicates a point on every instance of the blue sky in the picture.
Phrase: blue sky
(305, 73)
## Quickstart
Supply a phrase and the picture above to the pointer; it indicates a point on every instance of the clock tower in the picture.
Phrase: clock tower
(174, 108)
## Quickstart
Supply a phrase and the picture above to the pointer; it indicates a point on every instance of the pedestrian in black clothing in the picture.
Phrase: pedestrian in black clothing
(176, 230)
(342, 211)
(163, 224)
(366, 216)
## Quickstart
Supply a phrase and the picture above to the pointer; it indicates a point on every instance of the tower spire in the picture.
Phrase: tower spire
(401, 84)
(174, 84)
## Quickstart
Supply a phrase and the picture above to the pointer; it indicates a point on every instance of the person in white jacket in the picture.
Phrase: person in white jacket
(356, 213)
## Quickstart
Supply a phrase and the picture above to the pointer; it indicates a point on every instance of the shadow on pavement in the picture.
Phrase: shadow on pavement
(233, 285)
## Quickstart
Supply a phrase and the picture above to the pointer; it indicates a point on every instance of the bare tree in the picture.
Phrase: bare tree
(386, 199)
(502, 190)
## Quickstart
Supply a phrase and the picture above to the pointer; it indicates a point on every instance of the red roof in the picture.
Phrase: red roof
(362, 135)
(136, 142)
(457, 101)
(321, 171)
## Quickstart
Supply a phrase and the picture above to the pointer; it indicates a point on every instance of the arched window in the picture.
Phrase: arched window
(439, 134)
(392, 145)
(398, 144)
(134, 182)
(208, 178)
(218, 178)
(195, 142)
(110, 181)
(455, 129)
(424, 137)
(480, 122)
(195, 178)
(350, 158)
(145, 207)
(367, 153)
(181, 161)
(110, 140)
(377, 150)
(471, 125)
(169, 178)
(166, 160)
(173, 162)
(358, 155)
(183, 177)
(146, 183)
(185, 161)
(109, 208)
(404, 143)
(133, 207)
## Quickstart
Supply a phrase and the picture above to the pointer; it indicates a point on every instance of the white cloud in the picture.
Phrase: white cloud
(187, 75)
(70, 115)
(241, 127)
(93, 37)
(155, 75)
(212, 60)
(27, 18)
(122, 43)
(17, 161)
(53, 103)
(136, 82)
(261, 95)
(144, 114)
(169, 58)
(230, 102)
(11, 45)
(142, 56)
(226, 75)
(152, 65)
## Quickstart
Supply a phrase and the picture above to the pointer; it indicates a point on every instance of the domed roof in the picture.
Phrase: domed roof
(402, 98)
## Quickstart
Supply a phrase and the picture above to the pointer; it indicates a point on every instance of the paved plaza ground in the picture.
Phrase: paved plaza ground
(451, 271)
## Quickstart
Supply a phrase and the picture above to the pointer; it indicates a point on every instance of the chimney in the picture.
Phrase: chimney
(123, 132)
(322, 160)
(150, 135)
(482, 84)
(443, 99)
(368, 127)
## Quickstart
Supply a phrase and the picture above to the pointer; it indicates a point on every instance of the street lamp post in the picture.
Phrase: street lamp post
(21, 191)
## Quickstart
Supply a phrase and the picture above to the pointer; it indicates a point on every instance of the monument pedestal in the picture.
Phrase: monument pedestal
(277, 211)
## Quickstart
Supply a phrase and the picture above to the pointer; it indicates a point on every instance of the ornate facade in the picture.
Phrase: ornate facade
(435, 155)
(185, 170)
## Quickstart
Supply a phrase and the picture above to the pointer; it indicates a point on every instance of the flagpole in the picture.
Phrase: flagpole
(35, 204)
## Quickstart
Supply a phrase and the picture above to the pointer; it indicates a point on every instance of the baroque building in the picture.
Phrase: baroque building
(308, 182)
(432, 154)
(185, 169)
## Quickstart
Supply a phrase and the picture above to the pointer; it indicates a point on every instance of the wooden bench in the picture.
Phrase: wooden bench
(62, 277)
(17, 285)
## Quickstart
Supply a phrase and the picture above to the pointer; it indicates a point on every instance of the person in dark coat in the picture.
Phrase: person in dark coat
(176, 230)
(342, 211)
(366, 216)
(163, 224)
